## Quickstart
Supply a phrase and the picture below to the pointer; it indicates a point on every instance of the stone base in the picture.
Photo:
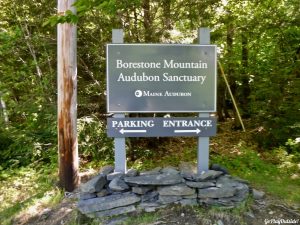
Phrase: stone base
(125, 193)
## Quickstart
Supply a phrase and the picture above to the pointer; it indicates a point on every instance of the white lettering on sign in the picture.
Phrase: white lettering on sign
(137, 65)
(135, 77)
(183, 78)
(185, 65)
(132, 123)
(187, 123)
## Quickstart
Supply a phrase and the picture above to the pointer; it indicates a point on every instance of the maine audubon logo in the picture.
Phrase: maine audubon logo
(139, 93)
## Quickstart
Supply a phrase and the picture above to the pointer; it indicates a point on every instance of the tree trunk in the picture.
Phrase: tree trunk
(3, 107)
(67, 100)
(147, 21)
(245, 79)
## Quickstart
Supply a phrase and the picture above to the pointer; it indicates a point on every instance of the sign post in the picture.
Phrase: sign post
(203, 142)
(119, 143)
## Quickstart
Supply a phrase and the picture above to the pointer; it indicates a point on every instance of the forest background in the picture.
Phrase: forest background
(258, 47)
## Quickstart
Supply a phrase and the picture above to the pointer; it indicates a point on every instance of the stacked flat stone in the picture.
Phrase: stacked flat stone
(112, 193)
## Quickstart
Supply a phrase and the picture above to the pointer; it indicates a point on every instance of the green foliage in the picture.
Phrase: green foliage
(93, 141)
(69, 17)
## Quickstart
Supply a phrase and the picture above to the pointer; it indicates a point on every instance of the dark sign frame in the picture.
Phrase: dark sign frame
(195, 92)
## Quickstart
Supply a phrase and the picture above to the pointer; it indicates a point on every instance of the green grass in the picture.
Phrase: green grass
(24, 191)
(143, 218)
(275, 179)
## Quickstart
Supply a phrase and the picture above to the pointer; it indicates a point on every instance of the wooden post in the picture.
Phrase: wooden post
(67, 99)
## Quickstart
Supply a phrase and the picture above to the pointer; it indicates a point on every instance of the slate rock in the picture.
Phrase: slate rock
(226, 181)
(204, 184)
(178, 190)
(242, 191)
(216, 202)
(155, 171)
(167, 199)
(151, 196)
(113, 212)
(257, 195)
(169, 170)
(219, 168)
(214, 192)
(190, 196)
(107, 202)
(220, 222)
(117, 184)
(208, 175)
(103, 193)
(188, 170)
(85, 196)
(159, 179)
(94, 185)
(131, 173)
(150, 207)
(107, 169)
(113, 175)
(141, 190)
(188, 202)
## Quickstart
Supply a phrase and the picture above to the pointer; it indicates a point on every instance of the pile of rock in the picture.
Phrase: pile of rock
(114, 193)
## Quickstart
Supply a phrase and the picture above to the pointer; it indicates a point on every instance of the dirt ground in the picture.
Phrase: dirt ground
(259, 212)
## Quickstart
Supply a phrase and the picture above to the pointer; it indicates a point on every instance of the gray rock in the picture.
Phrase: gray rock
(200, 184)
(160, 179)
(151, 196)
(214, 192)
(142, 189)
(188, 170)
(226, 181)
(107, 169)
(178, 190)
(219, 168)
(149, 204)
(117, 184)
(257, 195)
(208, 175)
(85, 196)
(94, 185)
(190, 196)
(167, 199)
(249, 214)
(131, 173)
(216, 202)
(107, 202)
(113, 175)
(114, 212)
(102, 193)
(220, 222)
(190, 202)
(169, 170)
(150, 207)
(242, 191)
(155, 171)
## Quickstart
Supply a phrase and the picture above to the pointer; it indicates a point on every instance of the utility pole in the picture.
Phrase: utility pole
(67, 99)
